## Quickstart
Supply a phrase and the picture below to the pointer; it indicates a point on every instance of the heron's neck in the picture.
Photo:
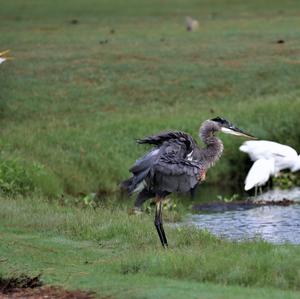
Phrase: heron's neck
(214, 146)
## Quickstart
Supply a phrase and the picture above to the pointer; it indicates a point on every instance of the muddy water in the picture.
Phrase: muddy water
(276, 224)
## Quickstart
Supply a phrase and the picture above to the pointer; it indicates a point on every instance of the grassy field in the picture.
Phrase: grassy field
(88, 78)
(72, 104)
(119, 256)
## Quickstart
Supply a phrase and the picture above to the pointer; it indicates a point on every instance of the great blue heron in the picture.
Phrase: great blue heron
(285, 157)
(176, 164)
(4, 56)
(259, 174)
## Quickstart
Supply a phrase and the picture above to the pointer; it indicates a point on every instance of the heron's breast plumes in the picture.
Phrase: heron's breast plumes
(202, 175)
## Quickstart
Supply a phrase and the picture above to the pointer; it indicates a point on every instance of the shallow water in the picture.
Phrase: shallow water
(276, 224)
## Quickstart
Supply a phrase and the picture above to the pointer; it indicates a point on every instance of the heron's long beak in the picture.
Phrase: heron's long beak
(236, 131)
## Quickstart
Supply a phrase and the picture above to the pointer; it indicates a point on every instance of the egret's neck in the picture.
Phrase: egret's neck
(214, 146)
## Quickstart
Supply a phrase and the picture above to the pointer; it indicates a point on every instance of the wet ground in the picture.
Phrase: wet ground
(264, 217)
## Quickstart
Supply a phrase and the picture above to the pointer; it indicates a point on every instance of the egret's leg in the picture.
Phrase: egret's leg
(260, 190)
(271, 182)
(158, 223)
(255, 192)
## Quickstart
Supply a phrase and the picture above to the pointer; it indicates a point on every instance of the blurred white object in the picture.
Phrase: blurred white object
(4, 56)
(285, 157)
(191, 24)
(259, 173)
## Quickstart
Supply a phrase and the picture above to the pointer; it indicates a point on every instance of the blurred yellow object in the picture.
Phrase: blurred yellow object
(5, 56)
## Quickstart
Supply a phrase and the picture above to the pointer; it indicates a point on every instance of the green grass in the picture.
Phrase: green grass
(71, 107)
(118, 255)
(75, 106)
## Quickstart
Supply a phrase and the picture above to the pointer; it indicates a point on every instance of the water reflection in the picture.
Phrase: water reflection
(272, 223)
(277, 194)
(276, 224)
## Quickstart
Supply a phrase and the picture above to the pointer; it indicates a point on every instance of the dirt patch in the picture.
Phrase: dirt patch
(49, 292)
(136, 57)
(31, 288)
(21, 282)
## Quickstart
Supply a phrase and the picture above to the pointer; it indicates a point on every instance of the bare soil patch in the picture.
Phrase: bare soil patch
(31, 288)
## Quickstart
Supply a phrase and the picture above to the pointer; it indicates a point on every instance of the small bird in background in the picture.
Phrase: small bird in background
(285, 157)
(5, 56)
(259, 174)
(191, 24)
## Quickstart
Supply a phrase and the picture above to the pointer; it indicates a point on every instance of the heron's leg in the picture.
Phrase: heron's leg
(158, 223)
(193, 192)
(260, 190)
(161, 226)
(255, 192)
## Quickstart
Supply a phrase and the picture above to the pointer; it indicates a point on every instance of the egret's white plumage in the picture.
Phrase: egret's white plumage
(259, 173)
(285, 157)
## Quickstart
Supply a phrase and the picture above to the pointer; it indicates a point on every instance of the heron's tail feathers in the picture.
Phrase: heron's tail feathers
(135, 183)
(126, 186)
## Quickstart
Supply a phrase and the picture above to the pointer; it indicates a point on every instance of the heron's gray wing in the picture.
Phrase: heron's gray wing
(140, 171)
(170, 155)
(145, 162)
(177, 167)
(172, 171)
(161, 138)
(168, 160)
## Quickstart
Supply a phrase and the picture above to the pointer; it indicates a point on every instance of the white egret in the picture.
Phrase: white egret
(285, 157)
(259, 174)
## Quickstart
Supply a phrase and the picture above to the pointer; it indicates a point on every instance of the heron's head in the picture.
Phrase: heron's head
(227, 127)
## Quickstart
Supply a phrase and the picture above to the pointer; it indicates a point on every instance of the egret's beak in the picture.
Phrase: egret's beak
(5, 55)
(236, 131)
(4, 52)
